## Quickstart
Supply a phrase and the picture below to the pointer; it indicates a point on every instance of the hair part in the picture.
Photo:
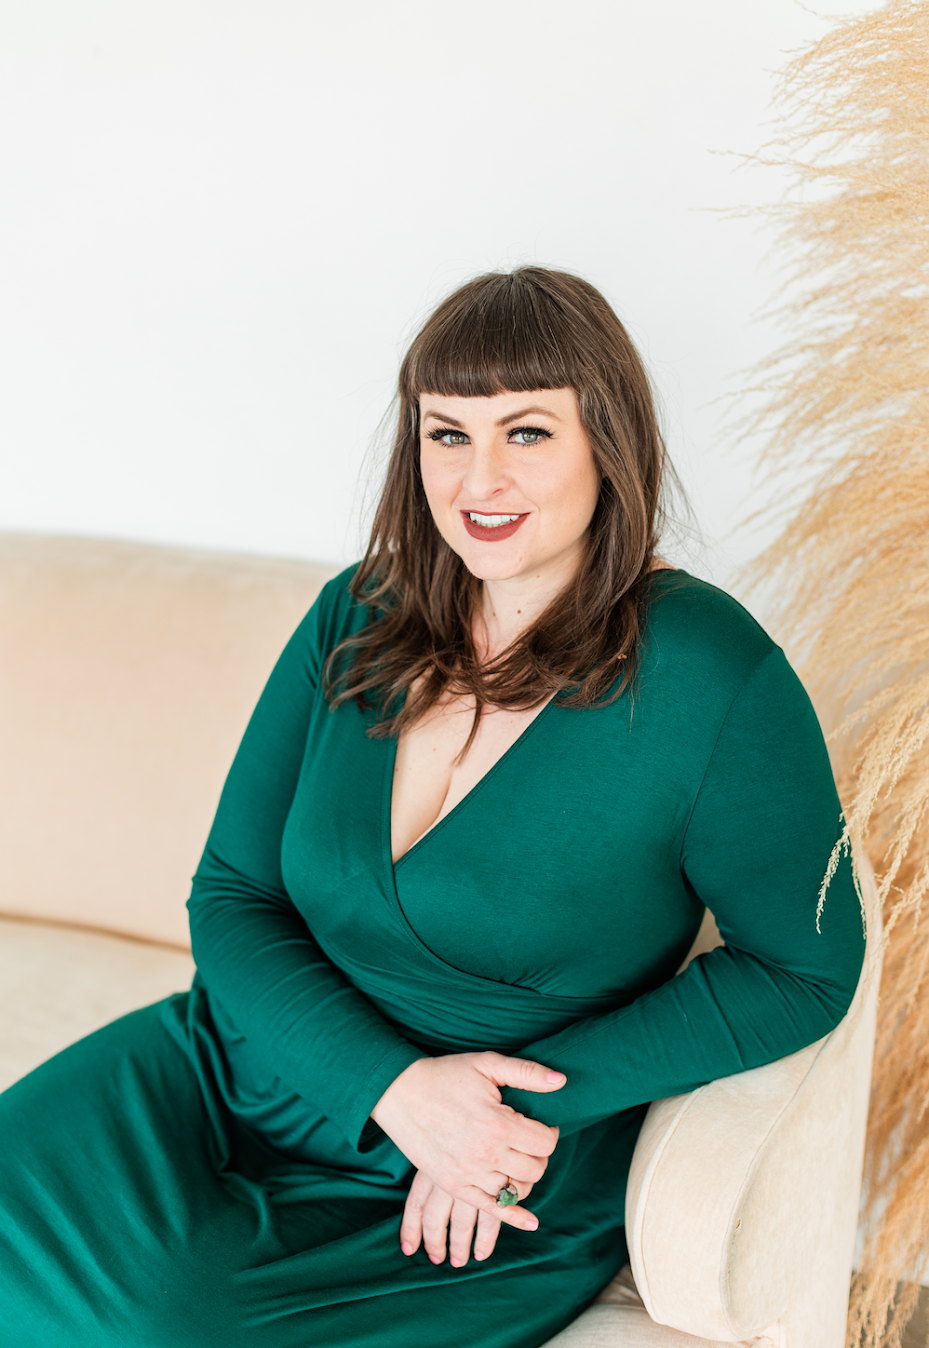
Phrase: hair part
(520, 331)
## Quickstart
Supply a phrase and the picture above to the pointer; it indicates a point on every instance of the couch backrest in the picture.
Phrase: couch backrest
(127, 675)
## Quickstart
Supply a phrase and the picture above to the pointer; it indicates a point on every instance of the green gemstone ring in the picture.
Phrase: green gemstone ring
(507, 1195)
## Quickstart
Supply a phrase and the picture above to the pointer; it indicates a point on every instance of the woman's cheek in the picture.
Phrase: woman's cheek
(438, 485)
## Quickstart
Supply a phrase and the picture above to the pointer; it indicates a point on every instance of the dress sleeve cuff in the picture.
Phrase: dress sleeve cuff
(360, 1129)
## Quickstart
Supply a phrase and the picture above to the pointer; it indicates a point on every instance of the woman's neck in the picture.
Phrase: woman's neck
(507, 607)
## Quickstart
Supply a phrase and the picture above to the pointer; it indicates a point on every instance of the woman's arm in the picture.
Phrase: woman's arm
(755, 850)
(251, 946)
(316, 1031)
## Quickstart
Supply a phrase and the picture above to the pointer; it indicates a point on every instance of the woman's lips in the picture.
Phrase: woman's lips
(491, 535)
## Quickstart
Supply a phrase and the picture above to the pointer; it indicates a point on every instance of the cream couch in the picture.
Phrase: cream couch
(127, 674)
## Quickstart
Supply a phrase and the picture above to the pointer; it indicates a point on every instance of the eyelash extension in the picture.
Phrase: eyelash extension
(533, 430)
(515, 430)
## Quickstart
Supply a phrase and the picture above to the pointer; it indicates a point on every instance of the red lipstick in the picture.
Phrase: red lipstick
(491, 535)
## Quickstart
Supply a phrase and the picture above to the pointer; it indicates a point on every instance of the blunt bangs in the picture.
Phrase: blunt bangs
(503, 334)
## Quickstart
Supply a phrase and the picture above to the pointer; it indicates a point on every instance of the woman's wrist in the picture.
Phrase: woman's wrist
(384, 1109)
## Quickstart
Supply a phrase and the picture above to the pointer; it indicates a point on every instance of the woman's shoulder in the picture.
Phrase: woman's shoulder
(335, 614)
(335, 599)
(700, 633)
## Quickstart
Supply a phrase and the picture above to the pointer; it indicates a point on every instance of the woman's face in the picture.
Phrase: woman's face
(511, 481)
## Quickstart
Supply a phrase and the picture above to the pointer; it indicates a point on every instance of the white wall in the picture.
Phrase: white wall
(222, 218)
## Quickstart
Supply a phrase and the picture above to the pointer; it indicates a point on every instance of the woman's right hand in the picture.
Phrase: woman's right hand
(447, 1117)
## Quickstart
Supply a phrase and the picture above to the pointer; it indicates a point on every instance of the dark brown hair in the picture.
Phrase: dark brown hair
(510, 332)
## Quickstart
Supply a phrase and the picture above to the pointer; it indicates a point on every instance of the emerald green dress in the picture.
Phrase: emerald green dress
(204, 1172)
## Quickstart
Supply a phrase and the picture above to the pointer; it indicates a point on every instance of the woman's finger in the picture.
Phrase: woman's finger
(520, 1072)
(460, 1232)
(498, 1183)
(436, 1219)
(436, 1214)
(488, 1228)
(516, 1215)
(520, 1166)
(411, 1225)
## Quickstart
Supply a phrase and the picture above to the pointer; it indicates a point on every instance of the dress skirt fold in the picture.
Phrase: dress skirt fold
(139, 1213)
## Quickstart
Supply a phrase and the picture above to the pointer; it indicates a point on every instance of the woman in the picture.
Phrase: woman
(466, 843)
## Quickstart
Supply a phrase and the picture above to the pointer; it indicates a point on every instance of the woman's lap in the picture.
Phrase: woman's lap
(117, 1228)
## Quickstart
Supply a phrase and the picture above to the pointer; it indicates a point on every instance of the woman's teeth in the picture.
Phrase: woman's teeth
(491, 521)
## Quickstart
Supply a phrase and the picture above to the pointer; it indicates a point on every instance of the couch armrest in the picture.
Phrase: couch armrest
(743, 1196)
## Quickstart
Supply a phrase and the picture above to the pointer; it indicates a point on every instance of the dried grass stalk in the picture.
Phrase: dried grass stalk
(844, 407)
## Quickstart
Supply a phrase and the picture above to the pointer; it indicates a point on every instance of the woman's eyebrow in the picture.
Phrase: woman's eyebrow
(440, 416)
(526, 412)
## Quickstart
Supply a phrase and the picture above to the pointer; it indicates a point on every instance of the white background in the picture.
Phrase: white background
(220, 221)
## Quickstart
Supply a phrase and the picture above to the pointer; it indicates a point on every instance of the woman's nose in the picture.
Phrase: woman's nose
(486, 473)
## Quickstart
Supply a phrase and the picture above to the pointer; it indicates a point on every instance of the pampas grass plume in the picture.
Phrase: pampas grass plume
(843, 409)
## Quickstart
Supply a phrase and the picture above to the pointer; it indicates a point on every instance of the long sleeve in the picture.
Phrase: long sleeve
(755, 850)
(252, 948)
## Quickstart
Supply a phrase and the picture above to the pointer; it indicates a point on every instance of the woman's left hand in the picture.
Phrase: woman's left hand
(435, 1218)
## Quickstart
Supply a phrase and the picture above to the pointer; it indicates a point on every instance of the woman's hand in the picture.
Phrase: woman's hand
(446, 1116)
(433, 1217)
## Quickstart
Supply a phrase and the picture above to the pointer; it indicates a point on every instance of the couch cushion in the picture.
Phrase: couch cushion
(127, 675)
(59, 983)
(612, 1326)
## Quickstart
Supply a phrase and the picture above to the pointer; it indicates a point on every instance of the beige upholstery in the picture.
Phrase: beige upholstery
(758, 1238)
(607, 1326)
(59, 983)
(127, 674)
(618, 1319)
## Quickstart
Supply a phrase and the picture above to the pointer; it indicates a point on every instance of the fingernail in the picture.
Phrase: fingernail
(406, 1247)
(556, 1076)
(435, 1258)
(454, 1263)
(530, 1226)
(479, 1254)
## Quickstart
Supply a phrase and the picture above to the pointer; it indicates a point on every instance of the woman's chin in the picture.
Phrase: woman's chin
(500, 564)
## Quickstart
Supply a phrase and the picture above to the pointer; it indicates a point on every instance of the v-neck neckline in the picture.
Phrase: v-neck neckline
(387, 813)
(391, 758)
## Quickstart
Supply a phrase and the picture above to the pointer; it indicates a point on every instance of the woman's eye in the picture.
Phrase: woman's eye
(521, 435)
(449, 437)
(530, 435)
